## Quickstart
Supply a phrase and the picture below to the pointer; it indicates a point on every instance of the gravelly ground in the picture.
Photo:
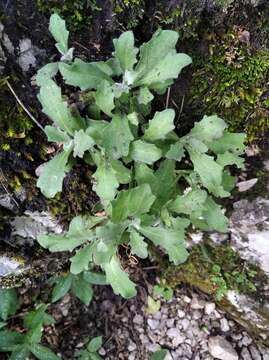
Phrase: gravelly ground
(189, 326)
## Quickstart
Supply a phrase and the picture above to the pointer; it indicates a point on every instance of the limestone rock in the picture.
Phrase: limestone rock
(221, 349)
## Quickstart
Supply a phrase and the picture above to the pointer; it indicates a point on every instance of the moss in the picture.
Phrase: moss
(129, 13)
(77, 13)
(233, 82)
(215, 270)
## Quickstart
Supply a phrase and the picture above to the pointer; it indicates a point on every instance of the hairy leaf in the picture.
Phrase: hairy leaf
(85, 75)
(229, 142)
(145, 152)
(104, 97)
(80, 261)
(159, 355)
(56, 135)
(209, 128)
(210, 173)
(229, 158)
(54, 107)
(106, 179)
(59, 32)
(95, 344)
(161, 124)
(46, 72)
(82, 143)
(159, 61)
(188, 203)
(214, 216)
(175, 152)
(138, 245)
(132, 203)
(123, 174)
(51, 179)
(172, 241)
(119, 279)
(117, 137)
(125, 51)
(82, 289)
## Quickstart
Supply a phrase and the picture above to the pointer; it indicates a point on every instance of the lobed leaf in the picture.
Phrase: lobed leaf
(125, 51)
(161, 124)
(59, 32)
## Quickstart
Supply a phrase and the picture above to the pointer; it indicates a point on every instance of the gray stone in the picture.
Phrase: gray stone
(255, 353)
(245, 355)
(153, 324)
(221, 349)
(246, 340)
(246, 185)
(132, 346)
(138, 319)
(209, 308)
(173, 332)
(185, 323)
(181, 313)
(224, 325)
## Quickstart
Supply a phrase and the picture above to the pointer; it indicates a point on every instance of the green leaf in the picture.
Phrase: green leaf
(8, 303)
(210, 173)
(80, 261)
(145, 96)
(229, 158)
(125, 51)
(56, 135)
(117, 137)
(188, 203)
(55, 108)
(21, 353)
(43, 353)
(63, 285)
(85, 75)
(95, 344)
(172, 241)
(153, 306)
(10, 338)
(78, 233)
(94, 278)
(138, 245)
(2, 324)
(159, 61)
(229, 142)
(145, 152)
(132, 203)
(159, 355)
(82, 143)
(52, 174)
(58, 30)
(119, 279)
(34, 335)
(104, 97)
(214, 216)
(209, 128)
(106, 179)
(46, 72)
(82, 289)
(161, 124)
(122, 173)
(175, 152)
(36, 317)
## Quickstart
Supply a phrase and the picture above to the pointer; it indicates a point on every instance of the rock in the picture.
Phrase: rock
(246, 185)
(173, 332)
(170, 323)
(153, 324)
(197, 304)
(138, 319)
(132, 346)
(246, 340)
(224, 325)
(221, 349)
(245, 355)
(255, 353)
(209, 308)
(181, 314)
(186, 299)
(185, 323)
(178, 340)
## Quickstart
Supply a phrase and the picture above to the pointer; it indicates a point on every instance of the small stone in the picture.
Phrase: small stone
(254, 353)
(196, 315)
(186, 299)
(185, 324)
(138, 319)
(152, 347)
(246, 185)
(197, 304)
(102, 351)
(132, 346)
(221, 349)
(132, 356)
(153, 324)
(224, 325)
(173, 332)
(245, 355)
(157, 315)
(181, 314)
(168, 356)
(209, 308)
(246, 341)
(170, 323)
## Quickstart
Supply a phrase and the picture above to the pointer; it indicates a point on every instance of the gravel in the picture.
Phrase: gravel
(189, 327)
